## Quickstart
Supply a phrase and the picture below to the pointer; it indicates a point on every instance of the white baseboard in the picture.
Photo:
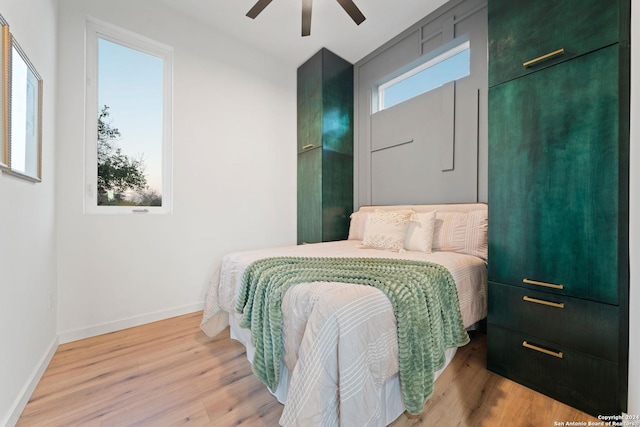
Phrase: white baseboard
(26, 392)
(117, 325)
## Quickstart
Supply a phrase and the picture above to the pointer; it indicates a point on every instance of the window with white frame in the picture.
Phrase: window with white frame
(430, 73)
(128, 122)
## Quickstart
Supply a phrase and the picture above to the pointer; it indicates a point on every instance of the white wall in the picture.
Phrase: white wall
(27, 228)
(234, 174)
(634, 215)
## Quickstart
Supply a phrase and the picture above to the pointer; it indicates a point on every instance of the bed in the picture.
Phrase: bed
(339, 361)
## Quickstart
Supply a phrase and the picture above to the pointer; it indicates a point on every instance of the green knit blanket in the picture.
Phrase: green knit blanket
(423, 295)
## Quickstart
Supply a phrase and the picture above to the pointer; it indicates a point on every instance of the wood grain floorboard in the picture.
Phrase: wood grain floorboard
(169, 373)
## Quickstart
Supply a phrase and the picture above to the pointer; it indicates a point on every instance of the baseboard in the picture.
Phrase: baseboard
(105, 328)
(26, 392)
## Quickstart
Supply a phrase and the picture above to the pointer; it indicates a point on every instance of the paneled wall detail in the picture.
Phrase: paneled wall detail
(431, 148)
(447, 141)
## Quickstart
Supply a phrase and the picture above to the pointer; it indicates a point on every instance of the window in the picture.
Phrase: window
(430, 73)
(128, 124)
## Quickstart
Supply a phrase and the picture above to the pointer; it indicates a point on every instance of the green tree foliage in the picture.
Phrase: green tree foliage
(148, 197)
(117, 172)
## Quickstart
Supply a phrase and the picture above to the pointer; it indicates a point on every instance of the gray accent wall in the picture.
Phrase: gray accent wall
(431, 148)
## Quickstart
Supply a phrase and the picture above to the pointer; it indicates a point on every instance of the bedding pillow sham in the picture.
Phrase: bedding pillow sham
(357, 224)
(386, 229)
(419, 235)
(462, 232)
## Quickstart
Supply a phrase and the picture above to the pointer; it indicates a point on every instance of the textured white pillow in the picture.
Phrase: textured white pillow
(420, 232)
(463, 232)
(386, 229)
(357, 224)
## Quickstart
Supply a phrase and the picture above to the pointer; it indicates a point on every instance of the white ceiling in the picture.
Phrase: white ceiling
(277, 29)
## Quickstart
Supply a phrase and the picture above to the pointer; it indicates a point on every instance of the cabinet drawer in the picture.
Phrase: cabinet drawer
(584, 382)
(529, 29)
(581, 325)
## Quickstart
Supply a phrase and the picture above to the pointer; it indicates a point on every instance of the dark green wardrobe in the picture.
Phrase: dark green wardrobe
(325, 148)
(558, 198)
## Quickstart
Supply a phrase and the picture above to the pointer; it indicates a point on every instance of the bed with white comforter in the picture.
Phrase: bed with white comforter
(340, 349)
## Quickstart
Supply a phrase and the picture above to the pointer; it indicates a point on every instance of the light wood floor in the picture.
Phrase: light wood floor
(169, 373)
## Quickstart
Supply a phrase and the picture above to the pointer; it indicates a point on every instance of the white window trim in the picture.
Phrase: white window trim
(429, 62)
(96, 29)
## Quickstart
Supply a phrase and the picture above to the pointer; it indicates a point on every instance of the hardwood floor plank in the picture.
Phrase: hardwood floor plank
(171, 406)
(169, 373)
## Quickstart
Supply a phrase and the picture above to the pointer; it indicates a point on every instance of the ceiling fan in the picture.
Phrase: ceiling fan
(348, 5)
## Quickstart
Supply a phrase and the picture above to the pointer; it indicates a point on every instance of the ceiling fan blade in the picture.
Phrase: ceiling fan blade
(306, 17)
(257, 8)
(350, 7)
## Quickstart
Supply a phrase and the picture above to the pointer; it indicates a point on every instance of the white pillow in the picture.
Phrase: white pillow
(463, 232)
(357, 224)
(420, 232)
(386, 229)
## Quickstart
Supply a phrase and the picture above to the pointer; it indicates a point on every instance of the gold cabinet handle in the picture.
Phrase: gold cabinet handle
(543, 58)
(308, 146)
(543, 302)
(557, 354)
(545, 284)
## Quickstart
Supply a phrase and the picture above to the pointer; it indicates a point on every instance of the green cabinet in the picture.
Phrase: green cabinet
(309, 94)
(554, 164)
(529, 30)
(325, 148)
(577, 379)
(558, 200)
(577, 323)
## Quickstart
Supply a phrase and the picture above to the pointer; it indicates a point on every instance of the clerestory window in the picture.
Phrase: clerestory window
(430, 73)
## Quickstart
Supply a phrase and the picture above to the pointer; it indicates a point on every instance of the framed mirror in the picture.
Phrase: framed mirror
(24, 115)
(5, 46)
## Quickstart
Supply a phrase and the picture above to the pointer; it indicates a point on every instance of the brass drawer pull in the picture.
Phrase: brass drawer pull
(543, 302)
(548, 285)
(308, 146)
(543, 58)
(557, 354)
